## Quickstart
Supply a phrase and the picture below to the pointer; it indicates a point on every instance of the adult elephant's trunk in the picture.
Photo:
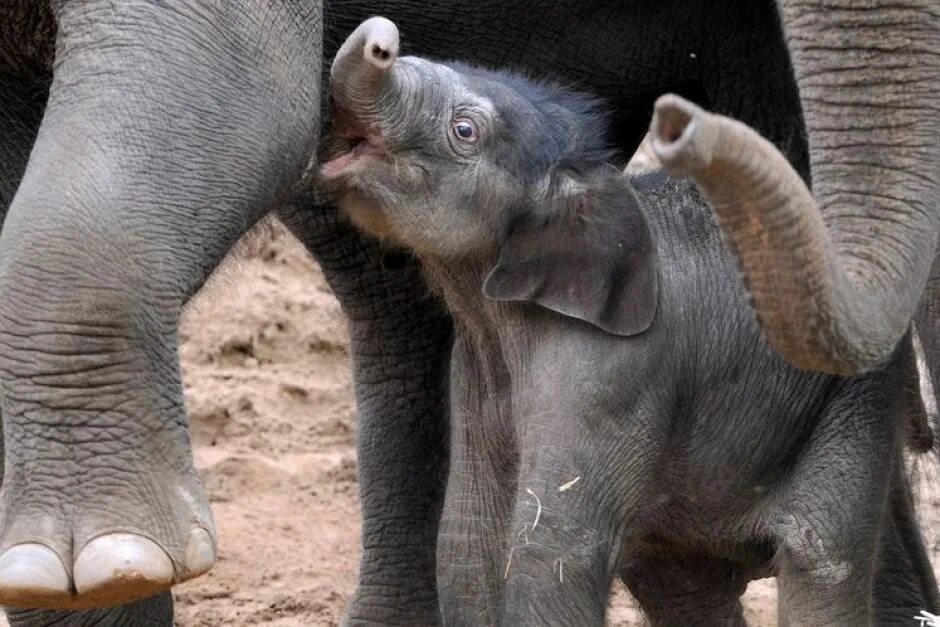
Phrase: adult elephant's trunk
(360, 66)
(170, 129)
(835, 278)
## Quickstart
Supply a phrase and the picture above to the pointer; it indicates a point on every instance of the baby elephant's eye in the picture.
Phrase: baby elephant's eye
(465, 130)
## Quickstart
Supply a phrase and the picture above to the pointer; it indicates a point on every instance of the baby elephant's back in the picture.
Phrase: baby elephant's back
(701, 296)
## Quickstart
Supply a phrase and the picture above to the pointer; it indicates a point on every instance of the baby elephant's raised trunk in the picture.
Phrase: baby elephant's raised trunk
(361, 64)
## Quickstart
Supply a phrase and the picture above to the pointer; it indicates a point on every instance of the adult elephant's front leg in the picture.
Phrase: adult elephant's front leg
(137, 185)
(22, 101)
(401, 341)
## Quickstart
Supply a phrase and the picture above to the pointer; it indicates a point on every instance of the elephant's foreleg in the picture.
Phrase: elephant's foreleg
(22, 102)
(400, 347)
(581, 494)
(562, 570)
(475, 543)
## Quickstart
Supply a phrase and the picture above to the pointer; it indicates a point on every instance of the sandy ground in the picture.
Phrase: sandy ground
(265, 363)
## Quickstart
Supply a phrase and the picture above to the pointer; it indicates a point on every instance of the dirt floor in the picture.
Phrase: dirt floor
(265, 363)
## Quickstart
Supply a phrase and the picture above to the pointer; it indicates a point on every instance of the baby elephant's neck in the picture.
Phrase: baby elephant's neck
(460, 283)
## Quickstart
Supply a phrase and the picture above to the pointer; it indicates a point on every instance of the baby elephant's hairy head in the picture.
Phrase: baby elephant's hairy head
(493, 176)
(443, 158)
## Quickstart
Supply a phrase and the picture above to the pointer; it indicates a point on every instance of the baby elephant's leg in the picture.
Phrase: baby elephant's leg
(686, 589)
(478, 502)
(822, 581)
(829, 521)
(904, 580)
(560, 566)
(580, 491)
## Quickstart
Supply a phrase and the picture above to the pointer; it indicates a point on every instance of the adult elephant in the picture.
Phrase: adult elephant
(169, 128)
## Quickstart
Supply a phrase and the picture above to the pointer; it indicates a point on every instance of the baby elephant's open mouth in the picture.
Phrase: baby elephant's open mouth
(346, 152)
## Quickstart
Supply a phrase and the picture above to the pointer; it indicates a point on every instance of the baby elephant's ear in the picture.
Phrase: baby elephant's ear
(588, 254)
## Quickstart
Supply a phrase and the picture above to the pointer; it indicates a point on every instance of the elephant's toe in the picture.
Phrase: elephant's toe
(33, 575)
(200, 553)
(115, 567)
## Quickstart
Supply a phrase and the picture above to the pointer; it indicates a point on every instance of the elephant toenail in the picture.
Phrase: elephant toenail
(200, 553)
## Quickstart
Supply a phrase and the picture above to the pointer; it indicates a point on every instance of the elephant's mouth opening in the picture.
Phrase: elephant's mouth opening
(348, 152)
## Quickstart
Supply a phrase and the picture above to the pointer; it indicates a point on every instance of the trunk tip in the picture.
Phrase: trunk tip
(381, 42)
(673, 134)
(672, 116)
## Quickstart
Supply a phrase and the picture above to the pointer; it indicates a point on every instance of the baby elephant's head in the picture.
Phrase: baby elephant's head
(457, 162)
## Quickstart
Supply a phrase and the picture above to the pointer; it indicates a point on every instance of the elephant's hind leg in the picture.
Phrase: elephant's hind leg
(400, 347)
(831, 518)
(904, 580)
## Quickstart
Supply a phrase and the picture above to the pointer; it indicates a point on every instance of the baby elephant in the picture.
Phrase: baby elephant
(615, 411)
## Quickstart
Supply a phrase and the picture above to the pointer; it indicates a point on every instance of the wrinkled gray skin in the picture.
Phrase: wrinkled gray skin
(615, 411)
(170, 128)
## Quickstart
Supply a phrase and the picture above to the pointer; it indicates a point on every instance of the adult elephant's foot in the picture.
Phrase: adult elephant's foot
(110, 524)
(100, 502)
(109, 567)
(108, 570)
